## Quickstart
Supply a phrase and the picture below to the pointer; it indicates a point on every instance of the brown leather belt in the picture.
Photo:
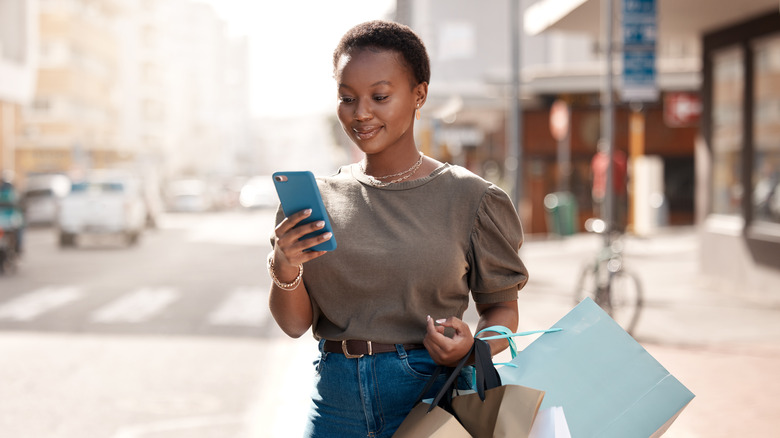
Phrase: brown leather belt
(354, 349)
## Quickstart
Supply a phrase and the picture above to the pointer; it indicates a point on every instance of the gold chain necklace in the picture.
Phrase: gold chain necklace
(375, 180)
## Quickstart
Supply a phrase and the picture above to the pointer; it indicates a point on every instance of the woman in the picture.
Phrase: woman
(416, 236)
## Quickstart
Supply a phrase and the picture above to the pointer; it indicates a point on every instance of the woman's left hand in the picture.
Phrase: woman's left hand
(445, 350)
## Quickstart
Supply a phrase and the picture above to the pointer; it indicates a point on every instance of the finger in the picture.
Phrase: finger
(313, 241)
(290, 222)
(291, 242)
(437, 332)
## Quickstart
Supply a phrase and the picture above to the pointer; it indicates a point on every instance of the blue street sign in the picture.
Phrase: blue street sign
(639, 43)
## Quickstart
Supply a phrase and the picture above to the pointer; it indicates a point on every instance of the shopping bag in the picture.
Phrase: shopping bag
(607, 384)
(493, 410)
(436, 423)
(508, 411)
(550, 423)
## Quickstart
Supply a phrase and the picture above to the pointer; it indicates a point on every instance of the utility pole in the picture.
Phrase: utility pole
(514, 161)
(607, 120)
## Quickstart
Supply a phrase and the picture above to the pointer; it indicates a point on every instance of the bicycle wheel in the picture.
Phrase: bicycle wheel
(587, 283)
(625, 300)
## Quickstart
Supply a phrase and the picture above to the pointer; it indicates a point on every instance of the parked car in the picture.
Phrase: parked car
(103, 203)
(259, 192)
(41, 197)
(189, 195)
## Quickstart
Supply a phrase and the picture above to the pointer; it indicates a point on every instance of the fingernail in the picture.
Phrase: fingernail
(441, 321)
(307, 211)
(320, 224)
(327, 236)
(428, 318)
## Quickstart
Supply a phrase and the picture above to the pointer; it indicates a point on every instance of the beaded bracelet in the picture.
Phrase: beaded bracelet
(284, 286)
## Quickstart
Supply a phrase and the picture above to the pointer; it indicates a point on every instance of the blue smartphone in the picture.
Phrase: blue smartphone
(298, 191)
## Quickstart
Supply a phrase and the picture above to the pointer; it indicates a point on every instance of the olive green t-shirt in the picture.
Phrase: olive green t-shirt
(409, 250)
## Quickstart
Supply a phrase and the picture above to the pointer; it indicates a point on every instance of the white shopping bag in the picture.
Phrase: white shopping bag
(550, 423)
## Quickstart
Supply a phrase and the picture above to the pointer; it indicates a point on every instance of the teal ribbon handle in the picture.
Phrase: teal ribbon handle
(505, 333)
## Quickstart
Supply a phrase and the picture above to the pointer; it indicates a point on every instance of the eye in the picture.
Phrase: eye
(346, 99)
(380, 98)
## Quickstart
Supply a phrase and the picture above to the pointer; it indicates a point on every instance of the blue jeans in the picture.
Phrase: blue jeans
(370, 396)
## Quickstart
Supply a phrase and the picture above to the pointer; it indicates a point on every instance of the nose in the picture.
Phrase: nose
(363, 110)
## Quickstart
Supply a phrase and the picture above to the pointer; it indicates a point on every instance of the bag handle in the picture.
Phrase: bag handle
(505, 333)
(486, 374)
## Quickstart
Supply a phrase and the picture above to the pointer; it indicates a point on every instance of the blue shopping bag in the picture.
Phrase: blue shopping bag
(608, 384)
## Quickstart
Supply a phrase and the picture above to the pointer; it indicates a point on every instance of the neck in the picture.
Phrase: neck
(380, 166)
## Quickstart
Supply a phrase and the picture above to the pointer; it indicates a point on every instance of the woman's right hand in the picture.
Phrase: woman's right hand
(289, 252)
(292, 309)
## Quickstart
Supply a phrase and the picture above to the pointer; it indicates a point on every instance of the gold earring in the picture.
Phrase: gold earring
(417, 113)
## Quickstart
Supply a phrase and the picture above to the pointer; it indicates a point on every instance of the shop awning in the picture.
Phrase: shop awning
(676, 18)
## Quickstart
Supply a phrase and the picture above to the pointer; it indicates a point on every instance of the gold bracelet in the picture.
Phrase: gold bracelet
(284, 286)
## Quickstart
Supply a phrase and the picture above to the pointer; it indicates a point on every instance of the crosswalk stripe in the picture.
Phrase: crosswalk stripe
(244, 307)
(37, 302)
(136, 306)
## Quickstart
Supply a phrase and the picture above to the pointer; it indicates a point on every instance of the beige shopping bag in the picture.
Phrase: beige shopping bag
(492, 411)
(507, 412)
(437, 423)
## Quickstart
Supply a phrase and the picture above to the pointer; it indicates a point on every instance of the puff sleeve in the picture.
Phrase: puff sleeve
(496, 271)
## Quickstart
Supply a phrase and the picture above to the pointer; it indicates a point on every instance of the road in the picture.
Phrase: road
(171, 338)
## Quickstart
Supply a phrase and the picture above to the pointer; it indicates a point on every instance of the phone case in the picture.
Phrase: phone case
(298, 192)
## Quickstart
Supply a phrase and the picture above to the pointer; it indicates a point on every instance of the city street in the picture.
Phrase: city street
(173, 339)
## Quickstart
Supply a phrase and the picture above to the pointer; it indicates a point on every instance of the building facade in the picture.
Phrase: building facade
(72, 122)
(466, 119)
(18, 73)
(158, 86)
(737, 152)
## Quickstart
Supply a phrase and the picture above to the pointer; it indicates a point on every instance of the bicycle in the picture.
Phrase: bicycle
(616, 290)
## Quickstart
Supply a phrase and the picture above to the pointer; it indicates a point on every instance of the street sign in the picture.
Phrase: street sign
(681, 109)
(639, 43)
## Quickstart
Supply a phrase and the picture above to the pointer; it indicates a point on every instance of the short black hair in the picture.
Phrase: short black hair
(388, 35)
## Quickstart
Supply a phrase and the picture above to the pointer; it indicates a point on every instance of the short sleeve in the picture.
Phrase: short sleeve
(496, 271)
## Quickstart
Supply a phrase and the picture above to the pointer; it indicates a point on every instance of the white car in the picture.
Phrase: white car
(259, 192)
(189, 195)
(103, 203)
(41, 197)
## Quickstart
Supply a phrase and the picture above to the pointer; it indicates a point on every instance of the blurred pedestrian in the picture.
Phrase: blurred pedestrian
(599, 165)
(416, 237)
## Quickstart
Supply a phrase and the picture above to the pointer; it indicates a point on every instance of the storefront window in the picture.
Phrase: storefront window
(766, 116)
(727, 97)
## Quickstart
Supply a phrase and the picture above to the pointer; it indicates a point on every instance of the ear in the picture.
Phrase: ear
(421, 94)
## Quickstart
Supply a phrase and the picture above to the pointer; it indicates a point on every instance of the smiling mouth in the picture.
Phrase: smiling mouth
(365, 134)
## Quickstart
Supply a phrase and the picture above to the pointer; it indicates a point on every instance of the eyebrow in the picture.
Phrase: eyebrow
(382, 82)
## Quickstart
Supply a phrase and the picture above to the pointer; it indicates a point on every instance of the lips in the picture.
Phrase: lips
(366, 132)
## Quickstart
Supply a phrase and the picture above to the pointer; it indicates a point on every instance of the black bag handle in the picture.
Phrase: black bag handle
(487, 376)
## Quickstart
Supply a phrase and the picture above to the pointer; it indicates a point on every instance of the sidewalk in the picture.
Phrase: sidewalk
(725, 347)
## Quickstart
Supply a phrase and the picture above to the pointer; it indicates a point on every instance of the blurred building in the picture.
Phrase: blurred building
(72, 122)
(184, 86)
(735, 49)
(18, 71)
(155, 85)
(466, 117)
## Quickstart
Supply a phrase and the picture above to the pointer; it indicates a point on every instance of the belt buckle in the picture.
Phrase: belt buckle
(354, 356)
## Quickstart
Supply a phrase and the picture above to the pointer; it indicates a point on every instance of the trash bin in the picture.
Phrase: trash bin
(561, 208)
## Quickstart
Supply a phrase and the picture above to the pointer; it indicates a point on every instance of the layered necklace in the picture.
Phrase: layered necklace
(381, 181)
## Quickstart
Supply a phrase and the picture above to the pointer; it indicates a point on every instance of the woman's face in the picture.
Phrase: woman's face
(377, 100)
